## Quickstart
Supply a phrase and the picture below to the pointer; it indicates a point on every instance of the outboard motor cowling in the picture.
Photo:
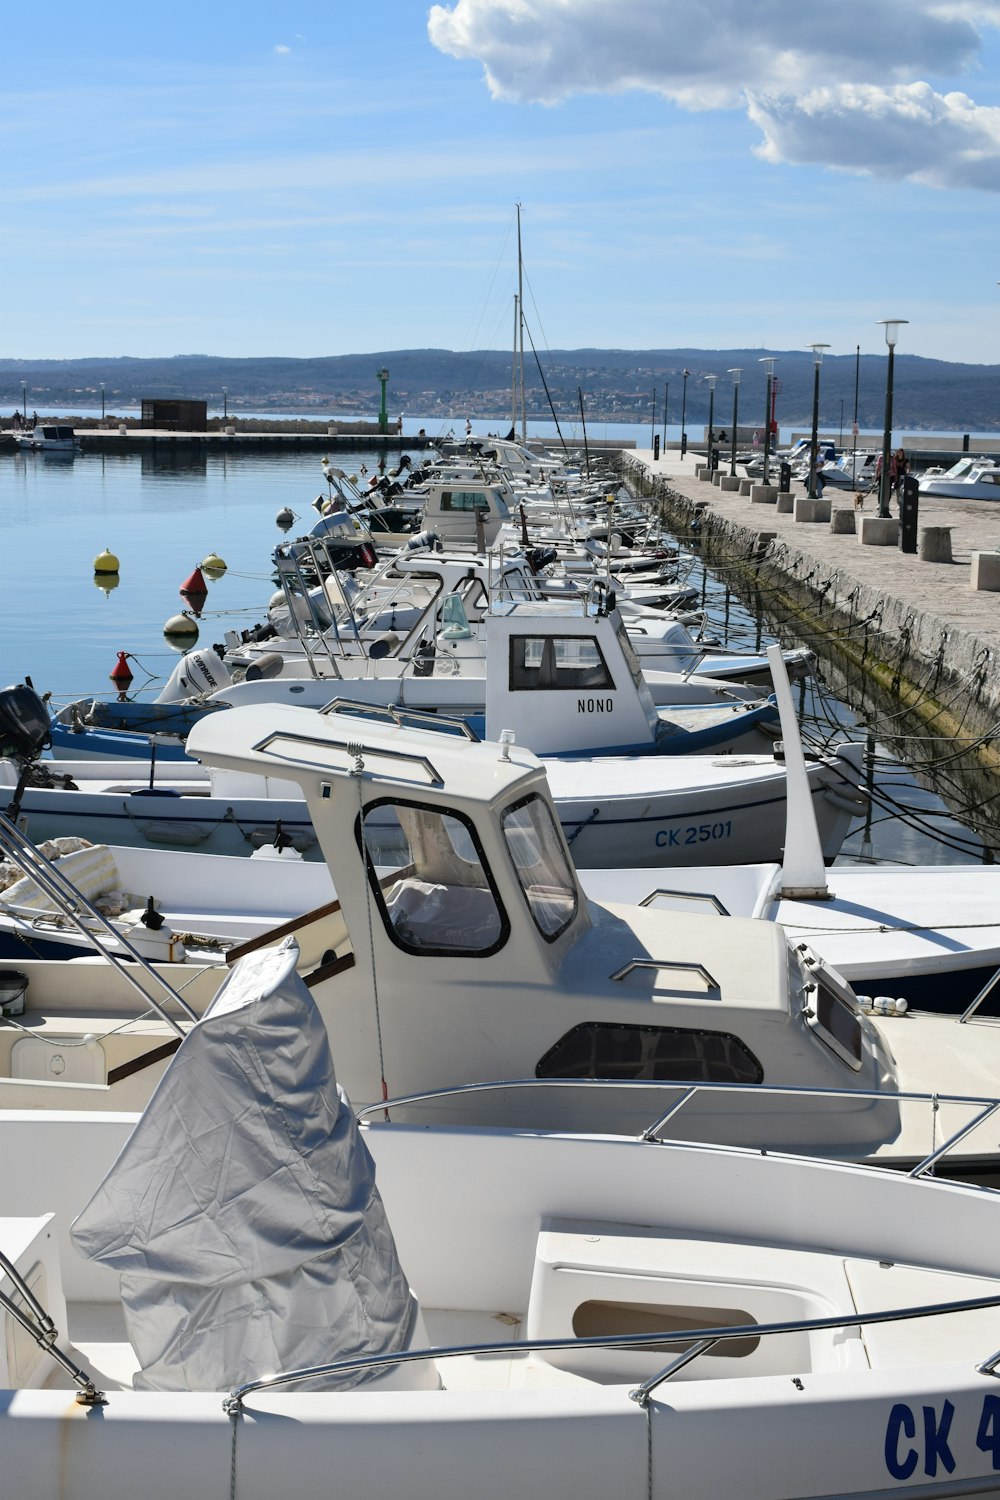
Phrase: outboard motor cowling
(196, 675)
(24, 723)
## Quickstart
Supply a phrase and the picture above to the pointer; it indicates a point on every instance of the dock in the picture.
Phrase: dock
(918, 628)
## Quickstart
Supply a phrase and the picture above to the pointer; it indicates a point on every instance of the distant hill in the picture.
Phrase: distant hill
(617, 385)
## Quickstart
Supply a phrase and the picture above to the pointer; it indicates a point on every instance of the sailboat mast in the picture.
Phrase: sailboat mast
(513, 367)
(520, 329)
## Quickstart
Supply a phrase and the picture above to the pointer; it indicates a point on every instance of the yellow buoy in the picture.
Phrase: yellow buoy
(181, 628)
(106, 562)
(213, 565)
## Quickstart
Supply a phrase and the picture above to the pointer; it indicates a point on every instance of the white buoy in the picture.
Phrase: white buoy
(181, 629)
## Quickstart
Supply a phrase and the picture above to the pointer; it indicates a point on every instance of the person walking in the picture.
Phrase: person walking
(898, 471)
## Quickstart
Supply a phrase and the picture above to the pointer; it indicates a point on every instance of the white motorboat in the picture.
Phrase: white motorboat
(49, 437)
(619, 1315)
(461, 947)
(968, 479)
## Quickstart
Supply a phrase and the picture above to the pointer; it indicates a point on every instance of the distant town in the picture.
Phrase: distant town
(611, 385)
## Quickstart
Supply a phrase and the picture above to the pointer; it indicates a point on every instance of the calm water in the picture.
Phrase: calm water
(162, 516)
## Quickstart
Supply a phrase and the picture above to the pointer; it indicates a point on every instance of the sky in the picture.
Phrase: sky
(332, 178)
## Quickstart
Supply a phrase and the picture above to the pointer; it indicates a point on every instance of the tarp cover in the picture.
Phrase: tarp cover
(242, 1212)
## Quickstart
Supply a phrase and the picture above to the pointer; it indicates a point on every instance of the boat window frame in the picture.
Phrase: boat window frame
(516, 667)
(376, 890)
(558, 842)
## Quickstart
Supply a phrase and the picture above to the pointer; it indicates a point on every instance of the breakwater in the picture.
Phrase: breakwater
(909, 639)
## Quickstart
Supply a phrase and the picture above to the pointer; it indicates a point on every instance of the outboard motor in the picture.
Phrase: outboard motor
(24, 734)
(424, 539)
(196, 675)
(540, 557)
(24, 724)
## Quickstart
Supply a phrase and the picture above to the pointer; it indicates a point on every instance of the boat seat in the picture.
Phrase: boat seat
(593, 1279)
(91, 870)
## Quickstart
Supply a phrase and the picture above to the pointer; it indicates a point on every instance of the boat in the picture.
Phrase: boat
(968, 479)
(928, 936)
(229, 1288)
(49, 437)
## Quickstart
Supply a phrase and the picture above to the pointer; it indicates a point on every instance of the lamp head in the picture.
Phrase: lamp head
(710, 381)
(685, 373)
(892, 327)
(817, 350)
(736, 373)
(768, 361)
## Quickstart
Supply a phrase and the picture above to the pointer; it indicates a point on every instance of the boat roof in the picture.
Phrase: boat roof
(272, 739)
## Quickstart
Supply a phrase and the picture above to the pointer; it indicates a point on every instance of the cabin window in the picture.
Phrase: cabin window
(430, 880)
(551, 663)
(464, 500)
(630, 654)
(652, 1054)
(543, 870)
(838, 1024)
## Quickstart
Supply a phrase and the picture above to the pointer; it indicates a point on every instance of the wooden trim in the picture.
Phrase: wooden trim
(287, 929)
(144, 1060)
(327, 971)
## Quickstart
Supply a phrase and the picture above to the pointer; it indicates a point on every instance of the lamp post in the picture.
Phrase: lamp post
(225, 404)
(102, 400)
(652, 422)
(817, 350)
(710, 382)
(735, 373)
(24, 402)
(684, 399)
(383, 420)
(768, 361)
(892, 327)
(666, 397)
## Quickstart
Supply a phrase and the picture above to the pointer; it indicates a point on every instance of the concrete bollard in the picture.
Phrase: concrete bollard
(717, 477)
(730, 483)
(764, 494)
(746, 485)
(843, 521)
(807, 509)
(879, 531)
(704, 472)
(784, 503)
(986, 572)
(935, 544)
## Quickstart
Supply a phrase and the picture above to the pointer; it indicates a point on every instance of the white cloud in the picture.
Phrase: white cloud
(942, 140)
(282, 50)
(839, 88)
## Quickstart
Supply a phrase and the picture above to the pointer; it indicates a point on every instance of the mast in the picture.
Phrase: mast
(513, 368)
(520, 329)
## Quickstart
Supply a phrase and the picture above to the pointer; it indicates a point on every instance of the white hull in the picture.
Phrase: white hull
(854, 1412)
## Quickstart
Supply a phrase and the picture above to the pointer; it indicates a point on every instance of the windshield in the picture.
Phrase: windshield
(544, 872)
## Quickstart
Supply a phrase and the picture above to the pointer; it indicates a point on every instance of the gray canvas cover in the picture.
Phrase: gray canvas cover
(242, 1213)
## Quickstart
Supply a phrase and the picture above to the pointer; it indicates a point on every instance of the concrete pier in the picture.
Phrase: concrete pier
(930, 630)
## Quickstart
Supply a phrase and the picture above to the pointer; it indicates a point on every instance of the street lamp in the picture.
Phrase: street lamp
(735, 373)
(684, 399)
(892, 327)
(768, 361)
(383, 418)
(817, 350)
(24, 402)
(102, 400)
(225, 404)
(666, 398)
(710, 382)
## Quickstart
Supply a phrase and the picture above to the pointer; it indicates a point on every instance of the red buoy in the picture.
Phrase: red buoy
(195, 584)
(120, 674)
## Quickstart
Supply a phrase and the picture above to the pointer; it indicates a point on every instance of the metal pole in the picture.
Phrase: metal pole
(735, 373)
(24, 402)
(768, 361)
(652, 420)
(854, 428)
(684, 397)
(102, 400)
(666, 395)
(225, 404)
(892, 327)
(710, 381)
(817, 350)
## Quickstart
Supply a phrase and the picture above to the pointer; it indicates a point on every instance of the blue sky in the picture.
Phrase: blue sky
(330, 178)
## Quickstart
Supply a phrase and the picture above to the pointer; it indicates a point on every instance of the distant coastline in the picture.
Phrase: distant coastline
(615, 386)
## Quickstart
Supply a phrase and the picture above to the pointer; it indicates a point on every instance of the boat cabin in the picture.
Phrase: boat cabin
(462, 946)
